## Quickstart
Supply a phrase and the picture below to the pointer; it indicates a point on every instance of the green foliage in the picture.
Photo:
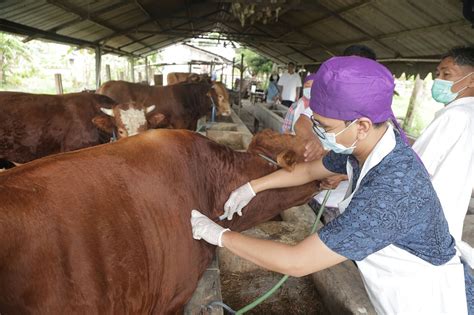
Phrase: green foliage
(255, 63)
(13, 56)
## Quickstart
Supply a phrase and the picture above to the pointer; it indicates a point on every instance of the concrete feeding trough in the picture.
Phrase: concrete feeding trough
(232, 133)
(269, 116)
(235, 140)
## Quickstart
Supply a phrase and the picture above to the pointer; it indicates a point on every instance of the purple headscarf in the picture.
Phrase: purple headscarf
(311, 76)
(347, 88)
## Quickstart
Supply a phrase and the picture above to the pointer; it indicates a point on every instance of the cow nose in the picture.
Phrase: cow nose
(226, 113)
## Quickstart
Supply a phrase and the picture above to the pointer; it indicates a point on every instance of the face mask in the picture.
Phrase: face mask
(307, 93)
(329, 140)
(441, 90)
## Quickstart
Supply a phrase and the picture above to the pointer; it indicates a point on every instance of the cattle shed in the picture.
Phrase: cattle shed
(407, 35)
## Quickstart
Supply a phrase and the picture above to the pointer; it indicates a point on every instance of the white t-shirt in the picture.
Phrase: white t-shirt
(289, 82)
(446, 148)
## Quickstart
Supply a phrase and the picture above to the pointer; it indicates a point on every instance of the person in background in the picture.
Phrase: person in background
(298, 107)
(289, 85)
(446, 146)
(272, 91)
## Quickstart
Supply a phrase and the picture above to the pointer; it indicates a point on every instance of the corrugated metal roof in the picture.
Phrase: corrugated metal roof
(307, 31)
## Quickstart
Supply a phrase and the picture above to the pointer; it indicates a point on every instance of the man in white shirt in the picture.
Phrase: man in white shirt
(446, 147)
(289, 85)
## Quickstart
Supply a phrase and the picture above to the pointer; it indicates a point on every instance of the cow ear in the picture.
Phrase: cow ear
(104, 123)
(287, 160)
(155, 120)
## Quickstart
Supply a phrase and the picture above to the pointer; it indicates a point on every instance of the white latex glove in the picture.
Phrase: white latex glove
(238, 199)
(467, 252)
(205, 228)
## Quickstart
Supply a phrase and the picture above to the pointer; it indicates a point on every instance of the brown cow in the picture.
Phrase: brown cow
(36, 125)
(105, 230)
(178, 106)
(223, 97)
(178, 77)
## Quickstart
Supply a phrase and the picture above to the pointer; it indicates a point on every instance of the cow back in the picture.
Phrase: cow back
(37, 125)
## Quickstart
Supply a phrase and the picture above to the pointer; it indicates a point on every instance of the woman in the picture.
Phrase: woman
(298, 107)
(392, 224)
(272, 91)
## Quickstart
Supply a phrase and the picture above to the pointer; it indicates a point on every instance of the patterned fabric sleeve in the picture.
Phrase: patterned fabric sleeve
(370, 223)
(335, 162)
(288, 121)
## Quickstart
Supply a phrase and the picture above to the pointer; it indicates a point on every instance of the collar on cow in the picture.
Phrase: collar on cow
(213, 112)
(266, 158)
(114, 137)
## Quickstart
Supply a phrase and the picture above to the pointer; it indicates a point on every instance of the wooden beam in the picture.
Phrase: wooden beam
(20, 29)
(348, 9)
(354, 26)
(136, 26)
(86, 16)
(425, 29)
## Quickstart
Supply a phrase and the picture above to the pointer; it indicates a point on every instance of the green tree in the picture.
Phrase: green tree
(256, 64)
(12, 53)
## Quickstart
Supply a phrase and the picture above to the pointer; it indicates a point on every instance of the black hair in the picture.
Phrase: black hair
(271, 78)
(291, 63)
(360, 50)
(462, 56)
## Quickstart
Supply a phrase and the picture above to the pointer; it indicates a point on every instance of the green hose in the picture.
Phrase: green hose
(283, 279)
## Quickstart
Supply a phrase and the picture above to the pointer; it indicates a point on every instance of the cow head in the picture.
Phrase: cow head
(128, 119)
(220, 96)
(287, 150)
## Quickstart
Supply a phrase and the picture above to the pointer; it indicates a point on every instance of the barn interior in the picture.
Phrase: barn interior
(408, 36)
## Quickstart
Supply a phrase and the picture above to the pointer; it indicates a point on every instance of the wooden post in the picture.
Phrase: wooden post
(139, 77)
(158, 78)
(414, 100)
(232, 76)
(108, 75)
(146, 71)
(241, 80)
(122, 75)
(59, 83)
(98, 60)
(132, 69)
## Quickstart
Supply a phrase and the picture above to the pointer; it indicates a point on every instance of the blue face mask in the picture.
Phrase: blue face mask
(328, 139)
(441, 90)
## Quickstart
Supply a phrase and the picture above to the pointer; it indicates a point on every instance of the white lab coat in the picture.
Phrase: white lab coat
(446, 148)
(398, 282)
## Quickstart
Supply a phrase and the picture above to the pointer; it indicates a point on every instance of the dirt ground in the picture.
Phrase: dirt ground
(296, 296)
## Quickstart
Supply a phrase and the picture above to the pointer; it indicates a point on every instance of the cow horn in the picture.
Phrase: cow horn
(107, 111)
(149, 109)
